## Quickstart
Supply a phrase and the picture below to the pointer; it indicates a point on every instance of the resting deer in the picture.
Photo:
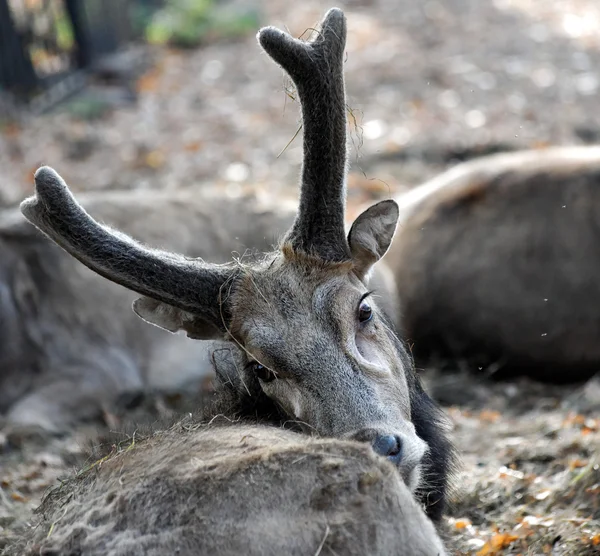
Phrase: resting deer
(309, 343)
(495, 260)
(230, 490)
(70, 346)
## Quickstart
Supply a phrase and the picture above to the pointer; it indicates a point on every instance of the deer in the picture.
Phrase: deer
(494, 264)
(309, 344)
(228, 489)
(71, 349)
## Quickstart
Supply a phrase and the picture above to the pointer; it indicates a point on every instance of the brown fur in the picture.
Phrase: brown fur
(255, 490)
(497, 260)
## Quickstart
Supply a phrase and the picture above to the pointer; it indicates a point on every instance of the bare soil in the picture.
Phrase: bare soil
(429, 83)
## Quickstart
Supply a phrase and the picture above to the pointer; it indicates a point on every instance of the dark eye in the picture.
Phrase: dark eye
(365, 313)
(262, 373)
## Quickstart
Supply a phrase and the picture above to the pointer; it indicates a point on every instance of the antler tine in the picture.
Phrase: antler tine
(316, 67)
(190, 285)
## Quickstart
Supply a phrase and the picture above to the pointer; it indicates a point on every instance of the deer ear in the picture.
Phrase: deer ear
(173, 319)
(371, 235)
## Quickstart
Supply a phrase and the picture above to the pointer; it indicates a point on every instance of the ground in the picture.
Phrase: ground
(429, 83)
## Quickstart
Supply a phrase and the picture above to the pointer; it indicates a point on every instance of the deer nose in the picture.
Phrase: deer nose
(389, 446)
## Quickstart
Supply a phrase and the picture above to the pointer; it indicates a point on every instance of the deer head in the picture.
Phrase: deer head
(312, 336)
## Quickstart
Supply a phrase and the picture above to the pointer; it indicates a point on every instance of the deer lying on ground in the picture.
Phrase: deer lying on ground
(234, 490)
(495, 259)
(69, 343)
(309, 345)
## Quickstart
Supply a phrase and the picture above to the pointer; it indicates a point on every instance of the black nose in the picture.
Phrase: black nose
(389, 446)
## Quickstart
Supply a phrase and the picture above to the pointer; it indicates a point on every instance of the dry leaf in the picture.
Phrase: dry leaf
(594, 489)
(489, 416)
(497, 543)
(155, 159)
(507, 472)
(11, 130)
(540, 145)
(148, 82)
(573, 419)
(462, 523)
(543, 494)
(193, 147)
(18, 497)
(34, 474)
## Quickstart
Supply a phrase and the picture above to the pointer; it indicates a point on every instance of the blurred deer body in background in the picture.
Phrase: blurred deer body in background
(496, 259)
(70, 344)
(308, 342)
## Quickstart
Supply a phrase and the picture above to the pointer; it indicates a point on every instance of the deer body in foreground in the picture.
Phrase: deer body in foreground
(309, 344)
(497, 259)
(237, 489)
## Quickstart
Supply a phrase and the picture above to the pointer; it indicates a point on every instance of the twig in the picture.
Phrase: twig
(320, 547)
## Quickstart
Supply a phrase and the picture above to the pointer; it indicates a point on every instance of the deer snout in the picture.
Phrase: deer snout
(388, 446)
(405, 451)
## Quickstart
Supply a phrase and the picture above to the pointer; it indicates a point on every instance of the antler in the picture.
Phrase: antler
(187, 284)
(316, 68)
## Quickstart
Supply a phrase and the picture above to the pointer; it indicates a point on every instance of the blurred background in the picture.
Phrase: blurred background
(176, 93)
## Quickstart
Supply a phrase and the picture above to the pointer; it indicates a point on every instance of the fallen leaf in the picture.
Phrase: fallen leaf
(35, 474)
(543, 494)
(148, 82)
(193, 147)
(573, 419)
(155, 159)
(18, 497)
(497, 543)
(489, 416)
(507, 472)
(462, 523)
(540, 145)
(594, 489)
(11, 130)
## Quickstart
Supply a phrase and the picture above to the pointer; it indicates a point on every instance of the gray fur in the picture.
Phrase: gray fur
(236, 490)
(368, 245)
(498, 260)
(316, 67)
(69, 343)
(311, 356)
(163, 276)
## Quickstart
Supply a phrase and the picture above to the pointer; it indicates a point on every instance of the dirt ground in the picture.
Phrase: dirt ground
(429, 83)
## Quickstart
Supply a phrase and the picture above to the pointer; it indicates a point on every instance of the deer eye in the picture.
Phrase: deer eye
(365, 313)
(261, 372)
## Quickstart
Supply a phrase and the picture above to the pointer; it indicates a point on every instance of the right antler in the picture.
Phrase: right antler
(316, 68)
(188, 284)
